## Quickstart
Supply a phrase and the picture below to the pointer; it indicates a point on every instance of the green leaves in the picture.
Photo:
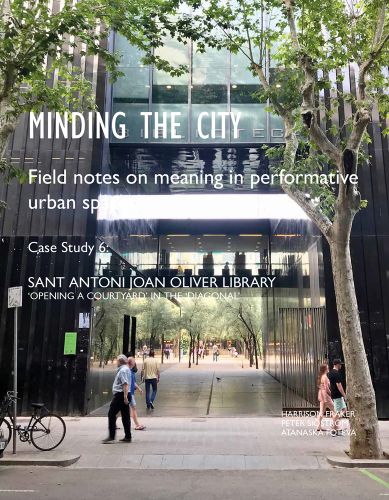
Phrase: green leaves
(40, 49)
(46, 53)
(312, 166)
(301, 51)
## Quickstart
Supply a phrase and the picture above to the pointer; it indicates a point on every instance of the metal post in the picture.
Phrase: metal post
(133, 336)
(179, 340)
(15, 376)
(158, 254)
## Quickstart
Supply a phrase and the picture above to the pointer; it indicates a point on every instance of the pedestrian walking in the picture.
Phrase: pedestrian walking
(324, 394)
(337, 393)
(133, 387)
(215, 351)
(144, 351)
(119, 403)
(151, 375)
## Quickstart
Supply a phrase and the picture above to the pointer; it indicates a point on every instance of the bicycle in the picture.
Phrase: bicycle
(45, 430)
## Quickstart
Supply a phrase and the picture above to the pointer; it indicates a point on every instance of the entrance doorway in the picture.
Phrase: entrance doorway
(217, 356)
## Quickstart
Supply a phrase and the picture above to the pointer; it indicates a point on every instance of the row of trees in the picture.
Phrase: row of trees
(156, 320)
(159, 321)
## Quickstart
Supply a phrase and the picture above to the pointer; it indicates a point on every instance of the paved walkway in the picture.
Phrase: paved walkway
(215, 416)
(204, 443)
(213, 389)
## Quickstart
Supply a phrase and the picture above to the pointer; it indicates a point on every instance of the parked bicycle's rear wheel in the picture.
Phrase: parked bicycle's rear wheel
(5, 426)
(48, 432)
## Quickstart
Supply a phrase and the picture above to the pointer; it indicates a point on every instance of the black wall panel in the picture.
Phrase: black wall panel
(44, 372)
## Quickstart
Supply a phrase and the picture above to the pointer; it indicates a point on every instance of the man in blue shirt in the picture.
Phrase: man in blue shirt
(120, 389)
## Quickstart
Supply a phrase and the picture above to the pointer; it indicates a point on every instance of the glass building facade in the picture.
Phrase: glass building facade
(215, 82)
(285, 246)
(248, 240)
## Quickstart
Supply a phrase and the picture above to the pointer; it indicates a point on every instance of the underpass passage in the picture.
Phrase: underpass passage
(214, 389)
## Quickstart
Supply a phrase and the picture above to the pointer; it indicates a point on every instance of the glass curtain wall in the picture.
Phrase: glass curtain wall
(217, 81)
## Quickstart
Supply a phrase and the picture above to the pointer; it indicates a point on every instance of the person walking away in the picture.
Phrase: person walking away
(151, 375)
(324, 394)
(120, 388)
(131, 397)
(337, 393)
(215, 351)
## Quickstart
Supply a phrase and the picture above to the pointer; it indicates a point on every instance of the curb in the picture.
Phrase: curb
(25, 459)
(347, 462)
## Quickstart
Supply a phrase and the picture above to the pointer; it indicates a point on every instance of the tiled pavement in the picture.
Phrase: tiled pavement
(213, 389)
(203, 443)
(204, 423)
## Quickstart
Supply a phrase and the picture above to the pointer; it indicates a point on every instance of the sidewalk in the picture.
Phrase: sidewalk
(211, 389)
(201, 443)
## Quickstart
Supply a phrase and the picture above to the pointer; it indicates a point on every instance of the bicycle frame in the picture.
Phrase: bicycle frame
(39, 428)
(5, 411)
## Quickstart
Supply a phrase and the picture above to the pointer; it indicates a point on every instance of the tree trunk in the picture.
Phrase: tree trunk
(250, 349)
(101, 355)
(260, 353)
(7, 124)
(7, 127)
(162, 347)
(254, 340)
(364, 440)
(190, 352)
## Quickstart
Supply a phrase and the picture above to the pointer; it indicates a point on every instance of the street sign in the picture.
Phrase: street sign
(15, 296)
(70, 343)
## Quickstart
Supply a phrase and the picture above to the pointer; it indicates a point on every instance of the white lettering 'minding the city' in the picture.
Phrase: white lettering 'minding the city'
(75, 125)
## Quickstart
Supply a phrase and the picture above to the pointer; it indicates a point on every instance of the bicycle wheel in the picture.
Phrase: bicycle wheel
(5, 426)
(48, 432)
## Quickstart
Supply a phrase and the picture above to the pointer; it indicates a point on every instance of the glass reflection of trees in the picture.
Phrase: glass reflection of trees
(200, 322)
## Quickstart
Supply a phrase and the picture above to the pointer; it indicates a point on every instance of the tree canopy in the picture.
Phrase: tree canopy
(298, 49)
(44, 46)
